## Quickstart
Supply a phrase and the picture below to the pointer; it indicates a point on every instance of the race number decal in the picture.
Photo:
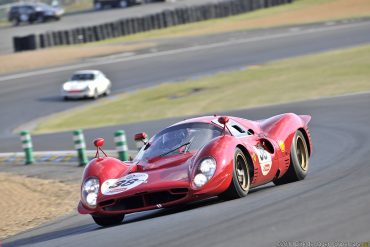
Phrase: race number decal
(115, 186)
(264, 159)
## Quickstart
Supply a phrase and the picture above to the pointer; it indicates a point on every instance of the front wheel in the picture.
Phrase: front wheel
(240, 182)
(299, 161)
(108, 220)
(123, 3)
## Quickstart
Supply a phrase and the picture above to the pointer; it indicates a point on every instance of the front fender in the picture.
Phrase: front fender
(222, 149)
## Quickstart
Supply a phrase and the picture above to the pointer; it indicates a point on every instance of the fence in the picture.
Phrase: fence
(123, 27)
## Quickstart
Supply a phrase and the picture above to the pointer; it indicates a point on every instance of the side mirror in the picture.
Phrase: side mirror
(99, 142)
(141, 139)
(223, 120)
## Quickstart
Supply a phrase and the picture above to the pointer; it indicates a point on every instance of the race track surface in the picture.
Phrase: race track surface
(26, 96)
(331, 204)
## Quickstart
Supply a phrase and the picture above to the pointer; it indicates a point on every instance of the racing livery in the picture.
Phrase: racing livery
(196, 159)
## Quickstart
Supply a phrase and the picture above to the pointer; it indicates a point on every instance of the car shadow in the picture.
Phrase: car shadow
(130, 218)
(61, 99)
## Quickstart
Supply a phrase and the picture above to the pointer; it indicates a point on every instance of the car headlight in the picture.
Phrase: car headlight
(90, 191)
(204, 172)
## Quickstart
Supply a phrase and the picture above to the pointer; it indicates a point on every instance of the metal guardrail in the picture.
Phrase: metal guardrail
(123, 27)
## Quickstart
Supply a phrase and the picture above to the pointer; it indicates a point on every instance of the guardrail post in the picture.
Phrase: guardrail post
(121, 144)
(27, 147)
(80, 146)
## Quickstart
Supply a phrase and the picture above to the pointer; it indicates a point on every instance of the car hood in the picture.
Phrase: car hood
(76, 85)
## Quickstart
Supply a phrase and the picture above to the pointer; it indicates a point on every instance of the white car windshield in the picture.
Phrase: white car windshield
(179, 139)
(83, 77)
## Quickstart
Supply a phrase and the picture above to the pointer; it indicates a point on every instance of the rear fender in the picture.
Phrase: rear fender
(282, 129)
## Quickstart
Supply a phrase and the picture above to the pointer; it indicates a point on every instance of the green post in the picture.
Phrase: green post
(80, 146)
(27, 147)
(121, 145)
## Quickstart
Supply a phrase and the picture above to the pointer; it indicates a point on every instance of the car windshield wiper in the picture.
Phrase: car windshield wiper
(178, 147)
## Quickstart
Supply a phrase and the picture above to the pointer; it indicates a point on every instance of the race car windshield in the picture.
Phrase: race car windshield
(179, 139)
(82, 77)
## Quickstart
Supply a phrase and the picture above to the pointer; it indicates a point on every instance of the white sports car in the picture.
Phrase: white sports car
(86, 84)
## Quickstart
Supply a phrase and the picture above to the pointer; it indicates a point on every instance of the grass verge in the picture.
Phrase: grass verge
(299, 12)
(327, 74)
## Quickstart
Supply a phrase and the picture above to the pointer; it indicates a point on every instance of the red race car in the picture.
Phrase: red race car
(196, 159)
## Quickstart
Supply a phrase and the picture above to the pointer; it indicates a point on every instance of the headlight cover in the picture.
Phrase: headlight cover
(205, 170)
(89, 192)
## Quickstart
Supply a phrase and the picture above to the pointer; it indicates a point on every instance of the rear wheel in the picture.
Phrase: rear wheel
(108, 91)
(15, 21)
(240, 183)
(108, 220)
(299, 161)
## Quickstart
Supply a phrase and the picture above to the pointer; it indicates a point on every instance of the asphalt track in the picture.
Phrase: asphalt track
(88, 18)
(26, 96)
(330, 205)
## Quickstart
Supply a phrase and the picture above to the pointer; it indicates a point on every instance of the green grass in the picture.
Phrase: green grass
(327, 74)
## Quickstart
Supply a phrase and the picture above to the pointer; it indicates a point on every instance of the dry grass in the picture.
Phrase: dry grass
(61, 55)
(299, 12)
(28, 202)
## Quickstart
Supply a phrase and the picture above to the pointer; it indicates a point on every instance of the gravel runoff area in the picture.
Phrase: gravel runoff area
(35, 194)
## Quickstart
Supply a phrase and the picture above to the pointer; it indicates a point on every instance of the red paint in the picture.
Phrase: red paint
(99, 142)
(140, 136)
(172, 175)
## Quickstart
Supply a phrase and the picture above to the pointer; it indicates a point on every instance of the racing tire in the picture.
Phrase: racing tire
(108, 220)
(241, 180)
(65, 98)
(299, 161)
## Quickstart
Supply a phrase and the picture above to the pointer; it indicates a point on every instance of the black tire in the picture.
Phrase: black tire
(240, 182)
(96, 94)
(15, 21)
(108, 91)
(65, 98)
(299, 161)
(41, 18)
(108, 220)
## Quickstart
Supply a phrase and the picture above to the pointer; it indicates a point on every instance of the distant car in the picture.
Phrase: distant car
(33, 12)
(86, 84)
(196, 159)
(101, 4)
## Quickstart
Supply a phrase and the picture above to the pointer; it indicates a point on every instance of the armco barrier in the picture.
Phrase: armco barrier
(123, 27)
